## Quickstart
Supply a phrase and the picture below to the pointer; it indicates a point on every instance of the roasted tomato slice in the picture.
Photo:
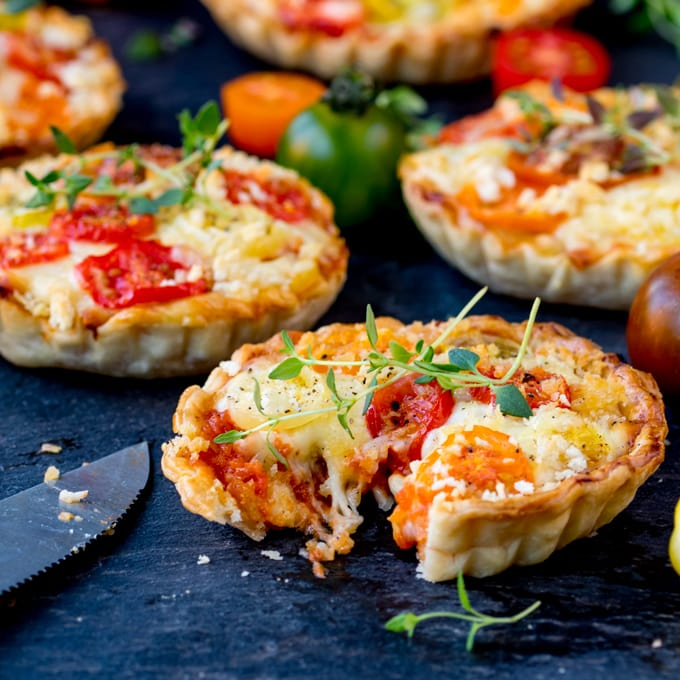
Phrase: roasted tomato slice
(576, 59)
(24, 248)
(322, 16)
(538, 386)
(101, 222)
(470, 461)
(410, 409)
(135, 272)
(281, 199)
(26, 54)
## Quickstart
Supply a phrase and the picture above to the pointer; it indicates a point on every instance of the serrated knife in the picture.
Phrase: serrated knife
(38, 530)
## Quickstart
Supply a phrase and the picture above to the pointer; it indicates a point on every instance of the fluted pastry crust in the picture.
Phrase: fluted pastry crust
(452, 47)
(264, 274)
(76, 85)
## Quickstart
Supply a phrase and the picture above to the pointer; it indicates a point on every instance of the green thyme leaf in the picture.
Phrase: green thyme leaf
(74, 185)
(275, 452)
(369, 397)
(371, 328)
(40, 199)
(144, 46)
(511, 401)
(229, 437)
(257, 397)
(288, 343)
(463, 359)
(141, 205)
(287, 370)
(399, 352)
(170, 197)
(342, 419)
(62, 140)
(330, 381)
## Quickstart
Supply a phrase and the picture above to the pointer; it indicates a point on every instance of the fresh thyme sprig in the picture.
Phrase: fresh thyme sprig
(200, 135)
(459, 371)
(407, 621)
(640, 150)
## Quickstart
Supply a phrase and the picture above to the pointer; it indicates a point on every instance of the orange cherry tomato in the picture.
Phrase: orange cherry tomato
(260, 105)
(506, 215)
(576, 59)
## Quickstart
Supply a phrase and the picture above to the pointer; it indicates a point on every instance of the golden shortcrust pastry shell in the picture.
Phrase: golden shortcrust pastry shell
(91, 107)
(456, 48)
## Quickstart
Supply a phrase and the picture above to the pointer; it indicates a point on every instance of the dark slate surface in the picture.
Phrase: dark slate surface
(138, 605)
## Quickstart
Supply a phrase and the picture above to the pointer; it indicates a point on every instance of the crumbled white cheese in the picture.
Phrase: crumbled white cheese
(51, 474)
(203, 559)
(272, 554)
(72, 496)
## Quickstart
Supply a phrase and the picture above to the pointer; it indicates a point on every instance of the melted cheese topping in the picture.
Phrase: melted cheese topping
(251, 257)
(641, 215)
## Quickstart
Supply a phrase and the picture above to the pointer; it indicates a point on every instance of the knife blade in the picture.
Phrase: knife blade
(38, 530)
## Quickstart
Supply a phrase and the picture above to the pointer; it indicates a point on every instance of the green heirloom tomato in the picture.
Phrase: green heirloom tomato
(349, 147)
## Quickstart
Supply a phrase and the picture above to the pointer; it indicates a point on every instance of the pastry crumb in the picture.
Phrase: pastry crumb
(49, 447)
(245, 573)
(51, 474)
(65, 516)
(657, 644)
(203, 559)
(72, 496)
(272, 554)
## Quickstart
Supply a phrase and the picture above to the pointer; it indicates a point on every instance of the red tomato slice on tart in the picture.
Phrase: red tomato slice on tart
(277, 197)
(101, 222)
(136, 272)
(22, 249)
(412, 409)
(576, 59)
(332, 17)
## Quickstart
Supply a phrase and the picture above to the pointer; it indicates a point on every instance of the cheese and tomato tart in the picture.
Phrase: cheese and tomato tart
(414, 41)
(479, 481)
(574, 198)
(53, 72)
(136, 262)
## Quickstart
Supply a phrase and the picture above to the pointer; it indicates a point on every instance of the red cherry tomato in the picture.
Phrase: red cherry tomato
(653, 329)
(411, 408)
(107, 222)
(136, 272)
(25, 248)
(576, 59)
